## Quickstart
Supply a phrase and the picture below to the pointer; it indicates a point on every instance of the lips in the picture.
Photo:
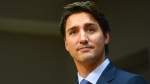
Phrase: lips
(84, 49)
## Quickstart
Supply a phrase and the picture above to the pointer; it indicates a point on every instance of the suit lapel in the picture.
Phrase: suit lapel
(108, 74)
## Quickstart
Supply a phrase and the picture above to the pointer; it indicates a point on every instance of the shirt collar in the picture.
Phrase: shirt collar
(96, 73)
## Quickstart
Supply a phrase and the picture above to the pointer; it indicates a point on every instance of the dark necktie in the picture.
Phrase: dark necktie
(85, 82)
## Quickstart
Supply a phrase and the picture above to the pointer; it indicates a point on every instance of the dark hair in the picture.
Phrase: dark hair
(88, 7)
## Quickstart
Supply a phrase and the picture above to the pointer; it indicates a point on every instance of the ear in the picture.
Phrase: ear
(107, 37)
(66, 44)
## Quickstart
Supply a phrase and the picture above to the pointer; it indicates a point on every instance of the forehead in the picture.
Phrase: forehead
(79, 19)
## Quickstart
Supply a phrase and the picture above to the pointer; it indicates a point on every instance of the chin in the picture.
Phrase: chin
(87, 57)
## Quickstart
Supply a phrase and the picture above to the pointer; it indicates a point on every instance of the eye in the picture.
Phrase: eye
(91, 30)
(73, 32)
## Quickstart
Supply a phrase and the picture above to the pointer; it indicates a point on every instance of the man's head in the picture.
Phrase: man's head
(88, 7)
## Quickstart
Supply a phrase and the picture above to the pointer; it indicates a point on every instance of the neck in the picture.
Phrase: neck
(85, 69)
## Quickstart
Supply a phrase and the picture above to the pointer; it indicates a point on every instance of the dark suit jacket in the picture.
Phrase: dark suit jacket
(112, 75)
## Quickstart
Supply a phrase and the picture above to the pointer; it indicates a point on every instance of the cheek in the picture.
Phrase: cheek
(70, 45)
(98, 42)
(66, 45)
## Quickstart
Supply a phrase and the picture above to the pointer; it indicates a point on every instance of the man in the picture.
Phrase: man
(86, 35)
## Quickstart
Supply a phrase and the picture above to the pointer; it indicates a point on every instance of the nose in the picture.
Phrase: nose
(83, 38)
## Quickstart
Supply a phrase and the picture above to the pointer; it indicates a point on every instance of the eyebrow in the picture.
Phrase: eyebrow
(72, 28)
(85, 25)
(89, 24)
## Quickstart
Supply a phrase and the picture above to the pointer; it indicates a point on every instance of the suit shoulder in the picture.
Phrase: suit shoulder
(125, 73)
(137, 80)
(130, 78)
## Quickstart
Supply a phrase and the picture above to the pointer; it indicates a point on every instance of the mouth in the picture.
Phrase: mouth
(84, 49)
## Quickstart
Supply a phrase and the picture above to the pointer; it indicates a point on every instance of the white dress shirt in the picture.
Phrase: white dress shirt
(96, 73)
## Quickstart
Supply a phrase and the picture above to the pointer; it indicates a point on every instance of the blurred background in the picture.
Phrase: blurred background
(32, 50)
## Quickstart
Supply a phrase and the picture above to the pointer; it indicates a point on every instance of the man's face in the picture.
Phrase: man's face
(84, 38)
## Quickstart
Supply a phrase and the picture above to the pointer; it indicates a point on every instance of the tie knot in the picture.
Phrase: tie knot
(85, 82)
